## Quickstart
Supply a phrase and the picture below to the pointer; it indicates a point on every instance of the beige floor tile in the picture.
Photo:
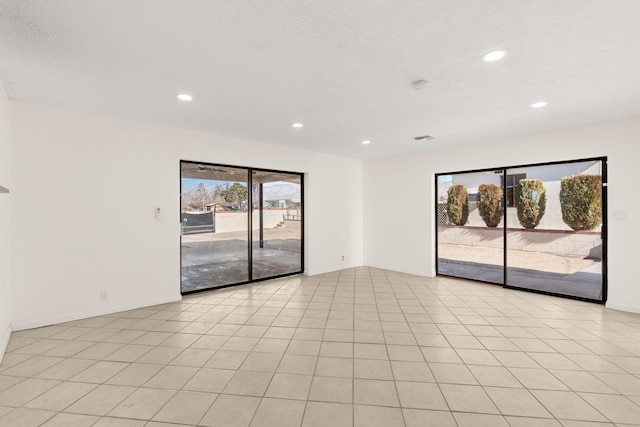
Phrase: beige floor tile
(375, 392)
(570, 423)
(121, 422)
(400, 338)
(440, 355)
(323, 414)
(377, 416)
(136, 374)
(297, 364)
(65, 369)
(231, 411)
(533, 422)
(467, 398)
(334, 367)
(515, 359)
(405, 353)
(101, 400)
(370, 351)
(312, 334)
(68, 349)
(98, 351)
(142, 403)
(411, 371)
(616, 408)
(99, 372)
(68, 420)
(61, 396)
(209, 380)
(128, 353)
(517, 402)
(215, 342)
(622, 383)
(435, 339)
(452, 373)
(272, 345)
(495, 376)
(171, 377)
(554, 361)
(304, 347)
(160, 355)
(594, 363)
(477, 357)
(279, 413)
(26, 417)
(567, 405)
(194, 357)
(539, 379)
(479, 420)
(420, 395)
(336, 349)
(368, 337)
(32, 366)
(425, 418)
(186, 407)
(372, 369)
(289, 386)
(332, 389)
(582, 381)
(23, 392)
(497, 343)
(266, 362)
(227, 359)
(248, 383)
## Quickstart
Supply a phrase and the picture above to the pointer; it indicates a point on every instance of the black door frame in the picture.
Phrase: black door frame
(250, 171)
(503, 170)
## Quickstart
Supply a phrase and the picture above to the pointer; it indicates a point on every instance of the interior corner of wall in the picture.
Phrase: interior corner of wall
(4, 341)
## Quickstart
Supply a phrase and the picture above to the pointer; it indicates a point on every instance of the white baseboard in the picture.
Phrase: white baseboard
(4, 342)
(52, 320)
(622, 307)
(317, 271)
(395, 269)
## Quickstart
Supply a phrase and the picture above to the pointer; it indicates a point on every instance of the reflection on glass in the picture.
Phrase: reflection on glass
(554, 239)
(470, 226)
(277, 224)
(214, 214)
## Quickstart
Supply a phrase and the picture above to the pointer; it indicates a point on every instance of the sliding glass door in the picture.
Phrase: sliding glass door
(555, 229)
(534, 227)
(238, 225)
(277, 223)
(470, 226)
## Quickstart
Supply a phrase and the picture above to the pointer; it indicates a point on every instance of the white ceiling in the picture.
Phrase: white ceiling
(342, 67)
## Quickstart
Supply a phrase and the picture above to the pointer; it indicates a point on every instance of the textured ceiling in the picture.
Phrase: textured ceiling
(342, 67)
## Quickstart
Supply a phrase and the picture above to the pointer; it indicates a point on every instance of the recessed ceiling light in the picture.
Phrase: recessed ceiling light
(539, 104)
(366, 142)
(297, 125)
(494, 56)
(184, 97)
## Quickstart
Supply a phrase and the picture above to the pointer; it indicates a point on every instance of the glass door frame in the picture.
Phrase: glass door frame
(504, 169)
(250, 230)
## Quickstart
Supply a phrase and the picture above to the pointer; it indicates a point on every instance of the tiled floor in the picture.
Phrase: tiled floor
(360, 347)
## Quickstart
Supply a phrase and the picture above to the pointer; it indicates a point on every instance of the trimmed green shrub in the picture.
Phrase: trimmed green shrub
(458, 204)
(531, 201)
(490, 204)
(581, 201)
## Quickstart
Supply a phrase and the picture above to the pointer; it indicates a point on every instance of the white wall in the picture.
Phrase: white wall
(5, 181)
(85, 187)
(404, 241)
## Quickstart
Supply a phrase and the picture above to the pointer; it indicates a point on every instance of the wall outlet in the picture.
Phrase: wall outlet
(104, 296)
(158, 214)
(342, 258)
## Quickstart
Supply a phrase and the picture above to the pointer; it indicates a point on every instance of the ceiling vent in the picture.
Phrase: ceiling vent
(423, 138)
